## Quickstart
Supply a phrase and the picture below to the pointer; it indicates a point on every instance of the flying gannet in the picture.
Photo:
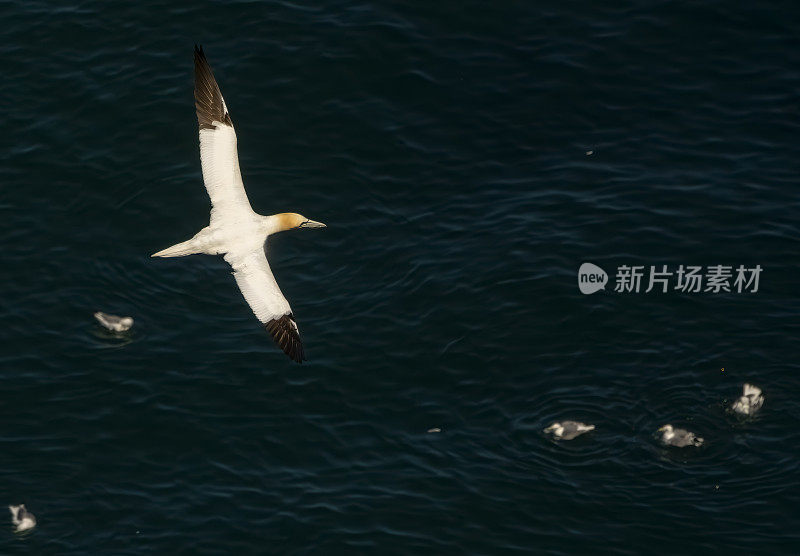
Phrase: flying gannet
(567, 430)
(22, 518)
(235, 230)
(679, 437)
(751, 400)
(113, 322)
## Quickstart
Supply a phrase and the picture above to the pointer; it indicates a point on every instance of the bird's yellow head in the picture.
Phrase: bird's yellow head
(292, 220)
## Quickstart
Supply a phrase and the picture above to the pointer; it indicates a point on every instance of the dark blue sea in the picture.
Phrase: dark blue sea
(468, 158)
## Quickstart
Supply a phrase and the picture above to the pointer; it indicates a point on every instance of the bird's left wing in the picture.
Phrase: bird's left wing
(218, 151)
(257, 283)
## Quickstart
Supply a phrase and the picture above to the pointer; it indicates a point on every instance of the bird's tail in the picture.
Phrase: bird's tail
(585, 428)
(698, 441)
(179, 250)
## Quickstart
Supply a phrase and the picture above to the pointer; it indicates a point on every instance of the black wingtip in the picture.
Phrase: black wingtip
(286, 335)
(210, 107)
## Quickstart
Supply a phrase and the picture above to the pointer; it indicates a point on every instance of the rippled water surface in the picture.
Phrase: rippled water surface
(445, 145)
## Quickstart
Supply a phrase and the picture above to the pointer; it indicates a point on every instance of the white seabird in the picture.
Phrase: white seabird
(22, 518)
(679, 437)
(235, 230)
(113, 322)
(567, 430)
(751, 400)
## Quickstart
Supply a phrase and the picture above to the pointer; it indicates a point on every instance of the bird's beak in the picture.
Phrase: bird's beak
(312, 224)
(661, 429)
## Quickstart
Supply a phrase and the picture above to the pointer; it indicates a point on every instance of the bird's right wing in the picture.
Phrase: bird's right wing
(218, 151)
(257, 283)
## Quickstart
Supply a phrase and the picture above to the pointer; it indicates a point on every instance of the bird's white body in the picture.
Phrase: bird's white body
(567, 430)
(234, 229)
(679, 438)
(22, 519)
(750, 401)
(113, 322)
(246, 233)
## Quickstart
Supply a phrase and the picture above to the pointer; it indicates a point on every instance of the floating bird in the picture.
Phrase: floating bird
(235, 230)
(679, 437)
(113, 322)
(750, 401)
(567, 430)
(22, 518)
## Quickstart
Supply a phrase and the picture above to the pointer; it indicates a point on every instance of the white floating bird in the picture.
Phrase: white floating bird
(22, 518)
(679, 437)
(567, 430)
(751, 400)
(235, 230)
(113, 322)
